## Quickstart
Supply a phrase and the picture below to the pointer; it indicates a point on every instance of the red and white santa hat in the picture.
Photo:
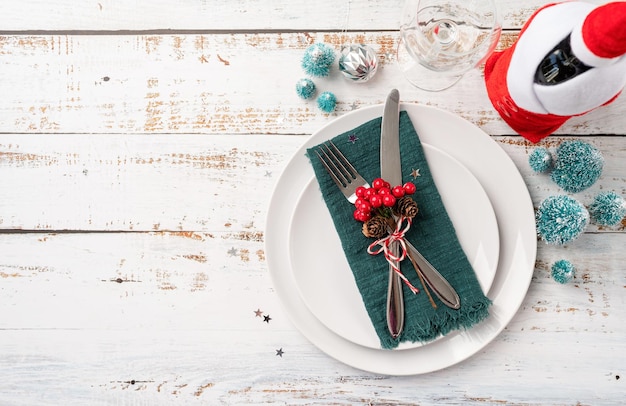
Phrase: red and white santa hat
(598, 39)
(601, 38)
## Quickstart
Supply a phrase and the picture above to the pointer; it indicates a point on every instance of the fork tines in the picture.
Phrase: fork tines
(338, 167)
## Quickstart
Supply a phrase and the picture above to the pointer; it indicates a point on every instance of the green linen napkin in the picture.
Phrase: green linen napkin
(432, 233)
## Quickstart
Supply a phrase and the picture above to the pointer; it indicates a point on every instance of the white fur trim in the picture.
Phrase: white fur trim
(583, 52)
(547, 29)
(584, 92)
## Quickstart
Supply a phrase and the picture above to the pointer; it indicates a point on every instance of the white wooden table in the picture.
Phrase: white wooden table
(139, 144)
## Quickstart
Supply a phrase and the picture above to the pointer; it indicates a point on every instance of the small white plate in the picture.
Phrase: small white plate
(513, 208)
(323, 275)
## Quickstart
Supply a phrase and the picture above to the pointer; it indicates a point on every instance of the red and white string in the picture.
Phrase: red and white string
(384, 245)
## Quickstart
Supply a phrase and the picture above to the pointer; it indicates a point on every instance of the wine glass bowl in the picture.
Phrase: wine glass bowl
(440, 40)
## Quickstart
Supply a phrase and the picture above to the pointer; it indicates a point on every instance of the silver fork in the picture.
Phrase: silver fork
(348, 179)
(340, 170)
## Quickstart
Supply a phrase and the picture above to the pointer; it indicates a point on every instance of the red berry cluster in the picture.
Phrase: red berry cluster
(379, 195)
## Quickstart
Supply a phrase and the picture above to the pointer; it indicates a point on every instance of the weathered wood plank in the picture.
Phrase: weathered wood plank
(212, 183)
(72, 332)
(540, 186)
(222, 367)
(140, 183)
(167, 277)
(223, 15)
(139, 143)
(127, 281)
(223, 83)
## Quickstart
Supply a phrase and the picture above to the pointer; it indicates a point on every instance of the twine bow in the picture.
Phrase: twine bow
(384, 245)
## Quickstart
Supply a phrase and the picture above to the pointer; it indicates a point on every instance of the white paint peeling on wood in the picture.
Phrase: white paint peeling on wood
(211, 84)
(140, 183)
(106, 339)
(223, 15)
(187, 182)
(541, 186)
(129, 281)
(136, 168)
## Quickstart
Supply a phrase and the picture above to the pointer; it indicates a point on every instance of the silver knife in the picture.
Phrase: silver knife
(391, 171)
(390, 166)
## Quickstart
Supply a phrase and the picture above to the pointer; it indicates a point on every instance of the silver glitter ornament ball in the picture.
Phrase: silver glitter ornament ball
(358, 62)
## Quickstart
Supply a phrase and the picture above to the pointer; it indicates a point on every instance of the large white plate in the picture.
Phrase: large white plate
(323, 275)
(511, 202)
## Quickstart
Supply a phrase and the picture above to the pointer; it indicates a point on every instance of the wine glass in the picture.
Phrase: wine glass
(441, 40)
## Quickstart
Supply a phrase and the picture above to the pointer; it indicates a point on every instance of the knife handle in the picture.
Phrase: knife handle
(395, 299)
(435, 281)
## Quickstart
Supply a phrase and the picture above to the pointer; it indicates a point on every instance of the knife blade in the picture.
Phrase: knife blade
(390, 165)
(391, 171)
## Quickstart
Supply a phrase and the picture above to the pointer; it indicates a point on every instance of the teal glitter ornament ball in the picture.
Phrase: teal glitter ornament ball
(540, 160)
(317, 59)
(561, 219)
(305, 88)
(577, 166)
(327, 102)
(562, 271)
(607, 209)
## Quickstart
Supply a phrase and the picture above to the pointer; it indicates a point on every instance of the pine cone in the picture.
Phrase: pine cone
(376, 227)
(406, 206)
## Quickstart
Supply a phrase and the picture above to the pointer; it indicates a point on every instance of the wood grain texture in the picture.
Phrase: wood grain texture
(140, 183)
(223, 15)
(139, 145)
(222, 83)
(213, 183)
(165, 334)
